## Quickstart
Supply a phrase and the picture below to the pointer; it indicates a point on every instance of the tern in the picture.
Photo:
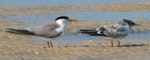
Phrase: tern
(48, 31)
(113, 32)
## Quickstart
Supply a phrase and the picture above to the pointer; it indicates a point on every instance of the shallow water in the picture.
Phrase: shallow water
(87, 16)
(132, 37)
(135, 37)
(61, 2)
(138, 37)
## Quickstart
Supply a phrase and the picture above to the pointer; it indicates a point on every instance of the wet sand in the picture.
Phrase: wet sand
(20, 47)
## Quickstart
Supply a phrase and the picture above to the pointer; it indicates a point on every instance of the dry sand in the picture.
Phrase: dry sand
(20, 47)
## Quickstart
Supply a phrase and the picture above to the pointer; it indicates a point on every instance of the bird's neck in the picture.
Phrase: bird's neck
(129, 26)
(62, 26)
(125, 24)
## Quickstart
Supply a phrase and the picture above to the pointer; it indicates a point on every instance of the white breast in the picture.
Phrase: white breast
(62, 25)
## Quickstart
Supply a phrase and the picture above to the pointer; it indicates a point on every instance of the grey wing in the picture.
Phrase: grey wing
(45, 30)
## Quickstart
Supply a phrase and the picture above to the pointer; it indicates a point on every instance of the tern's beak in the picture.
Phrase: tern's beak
(137, 25)
(73, 20)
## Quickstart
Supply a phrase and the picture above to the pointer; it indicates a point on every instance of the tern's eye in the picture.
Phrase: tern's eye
(123, 24)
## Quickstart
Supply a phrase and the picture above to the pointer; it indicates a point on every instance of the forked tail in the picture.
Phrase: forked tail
(19, 31)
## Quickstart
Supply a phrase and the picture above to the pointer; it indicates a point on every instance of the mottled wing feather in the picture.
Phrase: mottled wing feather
(115, 31)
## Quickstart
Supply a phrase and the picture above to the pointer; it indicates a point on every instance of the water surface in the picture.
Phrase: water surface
(61, 2)
(132, 37)
(87, 16)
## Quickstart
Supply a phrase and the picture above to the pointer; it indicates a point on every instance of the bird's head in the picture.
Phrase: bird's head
(130, 23)
(64, 20)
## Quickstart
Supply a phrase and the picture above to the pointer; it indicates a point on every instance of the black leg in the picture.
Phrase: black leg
(48, 44)
(118, 43)
(112, 43)
(51, 44)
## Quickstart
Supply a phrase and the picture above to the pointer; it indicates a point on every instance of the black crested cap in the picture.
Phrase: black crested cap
(131, 23)
(62, 17)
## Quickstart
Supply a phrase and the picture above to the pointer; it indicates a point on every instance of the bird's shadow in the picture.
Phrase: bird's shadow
(133, 45)
(129, 45)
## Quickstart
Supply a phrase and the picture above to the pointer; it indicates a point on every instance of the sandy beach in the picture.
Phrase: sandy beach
(20, 47)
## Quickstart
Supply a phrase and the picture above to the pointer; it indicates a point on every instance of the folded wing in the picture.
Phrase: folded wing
(45, 31)
(114, 31)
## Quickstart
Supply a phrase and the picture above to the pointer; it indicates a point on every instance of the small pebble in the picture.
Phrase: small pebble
(37, 53)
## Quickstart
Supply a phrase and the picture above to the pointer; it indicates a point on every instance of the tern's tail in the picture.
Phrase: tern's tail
(17, 31)
(91, 32)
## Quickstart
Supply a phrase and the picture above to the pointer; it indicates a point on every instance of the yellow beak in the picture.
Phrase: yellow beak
(73, 20)
(137, 24)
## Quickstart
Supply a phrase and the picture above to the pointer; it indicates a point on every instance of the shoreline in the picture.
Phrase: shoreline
(22, 24)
